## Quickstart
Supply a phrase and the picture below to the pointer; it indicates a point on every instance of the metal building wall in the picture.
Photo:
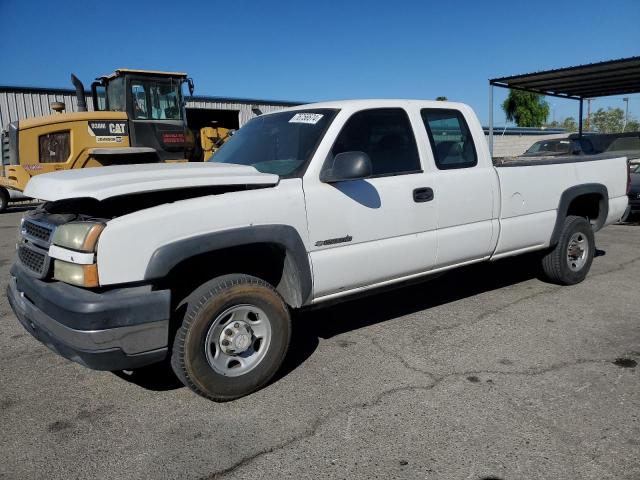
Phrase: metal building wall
(21, 103)
(17, 103)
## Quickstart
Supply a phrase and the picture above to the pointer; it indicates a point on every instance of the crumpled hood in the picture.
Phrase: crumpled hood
(106, 182)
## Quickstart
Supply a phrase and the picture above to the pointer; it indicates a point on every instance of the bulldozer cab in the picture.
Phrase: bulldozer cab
(155, 107)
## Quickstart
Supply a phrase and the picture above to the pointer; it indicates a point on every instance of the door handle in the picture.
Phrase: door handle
(424, 194)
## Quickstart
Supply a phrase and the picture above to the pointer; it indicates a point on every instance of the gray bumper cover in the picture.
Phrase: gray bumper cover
(122, 341)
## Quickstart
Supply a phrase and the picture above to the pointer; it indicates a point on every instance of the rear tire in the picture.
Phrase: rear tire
(570, 260)
(4, 200)
(233, 338)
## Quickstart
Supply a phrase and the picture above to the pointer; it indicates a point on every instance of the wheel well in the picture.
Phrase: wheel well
(270, 262)
(589, 200)
(587, 205)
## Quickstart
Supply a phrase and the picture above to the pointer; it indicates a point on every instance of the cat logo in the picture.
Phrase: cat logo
(108, 129)
(117, 128)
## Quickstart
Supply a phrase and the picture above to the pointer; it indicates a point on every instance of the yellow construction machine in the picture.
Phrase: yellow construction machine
(138, 116)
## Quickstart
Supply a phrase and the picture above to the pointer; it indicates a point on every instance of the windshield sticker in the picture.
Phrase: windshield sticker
(310, 118)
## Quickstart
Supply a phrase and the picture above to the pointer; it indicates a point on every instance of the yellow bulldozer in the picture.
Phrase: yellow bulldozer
(138, 116)
(212, 138)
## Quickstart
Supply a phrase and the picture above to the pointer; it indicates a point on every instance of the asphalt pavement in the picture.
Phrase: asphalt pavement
(486, 372)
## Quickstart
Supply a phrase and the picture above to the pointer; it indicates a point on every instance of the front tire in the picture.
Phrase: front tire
(570, 260)
(233, 339)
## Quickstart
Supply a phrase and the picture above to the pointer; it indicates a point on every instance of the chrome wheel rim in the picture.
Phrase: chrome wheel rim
(238, 340)
(577, 251)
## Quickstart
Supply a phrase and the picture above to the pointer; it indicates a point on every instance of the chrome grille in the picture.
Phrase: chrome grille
(33, 260)
(37, 231)
(33, 250)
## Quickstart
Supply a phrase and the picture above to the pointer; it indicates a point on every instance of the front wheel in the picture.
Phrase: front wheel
(233, 338)
(570, 260)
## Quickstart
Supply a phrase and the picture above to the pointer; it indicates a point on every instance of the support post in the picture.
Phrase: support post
(491, 119)
(580, 120)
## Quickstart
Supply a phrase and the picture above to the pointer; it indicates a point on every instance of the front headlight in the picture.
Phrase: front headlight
(79, 236)
(76, 274)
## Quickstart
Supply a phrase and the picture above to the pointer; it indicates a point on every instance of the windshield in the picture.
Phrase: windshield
(636, 169)
(624, 143)
(280, 143)
(155, 100)
(555, 146)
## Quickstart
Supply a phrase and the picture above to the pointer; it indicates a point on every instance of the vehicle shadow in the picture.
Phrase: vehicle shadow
(311, 325)
(631, 222)
(158, 377)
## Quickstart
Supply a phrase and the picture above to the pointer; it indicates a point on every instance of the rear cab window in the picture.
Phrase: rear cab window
(451, 141)
(386, 136)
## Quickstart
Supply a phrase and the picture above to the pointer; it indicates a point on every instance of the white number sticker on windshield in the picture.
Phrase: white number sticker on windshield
(311, 118)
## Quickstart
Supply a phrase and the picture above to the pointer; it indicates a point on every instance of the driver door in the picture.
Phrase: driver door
(368, 231)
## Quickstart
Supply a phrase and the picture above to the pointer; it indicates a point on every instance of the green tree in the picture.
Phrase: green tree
(569, 124)
(525, 108)
(441, 99)
(632, 126)
(610, 120)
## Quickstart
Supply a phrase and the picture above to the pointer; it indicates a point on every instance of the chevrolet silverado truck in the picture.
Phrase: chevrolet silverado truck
(202, 264)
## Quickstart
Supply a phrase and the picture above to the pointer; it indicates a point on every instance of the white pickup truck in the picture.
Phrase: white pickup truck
(201, 264)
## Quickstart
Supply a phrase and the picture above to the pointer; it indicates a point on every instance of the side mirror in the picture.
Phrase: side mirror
(347, 166)
(191, 86)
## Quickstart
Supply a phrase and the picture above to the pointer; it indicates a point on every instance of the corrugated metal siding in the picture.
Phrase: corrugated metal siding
(19, 105)
(24, 103)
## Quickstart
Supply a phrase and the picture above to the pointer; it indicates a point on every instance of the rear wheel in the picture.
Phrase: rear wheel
(570, 260)
(4, 200)
(233, 338)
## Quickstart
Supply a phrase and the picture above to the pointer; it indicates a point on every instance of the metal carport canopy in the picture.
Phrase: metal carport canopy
(613, 77)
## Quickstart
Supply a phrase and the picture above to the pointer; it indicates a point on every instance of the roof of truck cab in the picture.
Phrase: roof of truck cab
(378, 103)
(120, 71)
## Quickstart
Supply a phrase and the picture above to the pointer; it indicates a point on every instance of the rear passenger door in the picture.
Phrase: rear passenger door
(464, 188)
(364, 232)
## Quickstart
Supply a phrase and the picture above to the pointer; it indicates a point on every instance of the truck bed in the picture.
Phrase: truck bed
(529, 195)
(553, 160)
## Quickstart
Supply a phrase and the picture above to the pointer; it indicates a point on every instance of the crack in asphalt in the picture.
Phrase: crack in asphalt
(617, 268)
(315, 426)
(495, 311)
(400, 358)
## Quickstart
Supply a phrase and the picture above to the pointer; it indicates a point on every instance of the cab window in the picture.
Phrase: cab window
(451, 140)
(386, 136)
(139, 97)
(115, 94)
(155, 100)
(164, 101)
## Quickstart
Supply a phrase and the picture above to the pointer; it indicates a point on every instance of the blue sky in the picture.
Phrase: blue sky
(320, 50)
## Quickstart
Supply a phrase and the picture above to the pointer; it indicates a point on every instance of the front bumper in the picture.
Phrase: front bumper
(119, 329)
